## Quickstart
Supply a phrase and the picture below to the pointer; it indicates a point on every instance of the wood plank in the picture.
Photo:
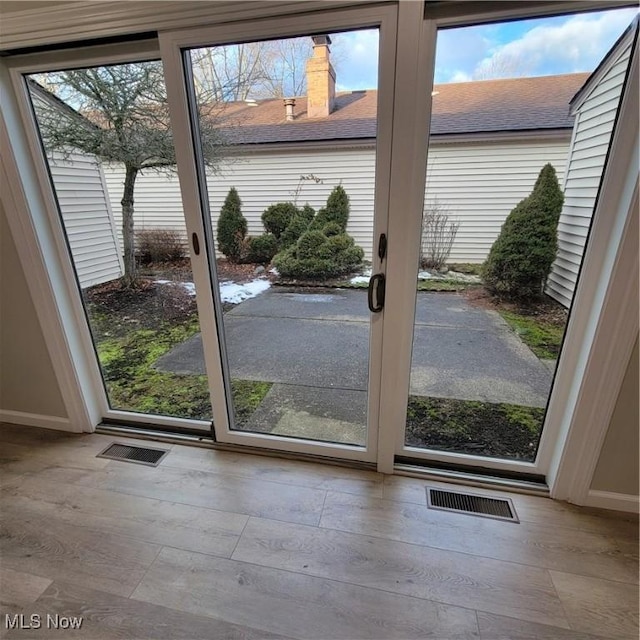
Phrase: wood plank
(59, 551)
(293, 472)
(202, 489)
(533, 544)
(293, 604)
(493, 627)
(18, 588)
(106, 616)
(598, 606)
(530, 508)
(442, 576)
(147, 519)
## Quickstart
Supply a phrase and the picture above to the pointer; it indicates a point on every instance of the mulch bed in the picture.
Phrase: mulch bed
(545, 310)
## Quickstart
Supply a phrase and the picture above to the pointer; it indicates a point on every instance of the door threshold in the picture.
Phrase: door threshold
(207, 442)
(466, 478)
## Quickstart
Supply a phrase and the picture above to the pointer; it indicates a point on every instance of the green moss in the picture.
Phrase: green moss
(473, 427)
(543, 338)
(444, 285)
(133, 384)
(468, 268)
(247, 396)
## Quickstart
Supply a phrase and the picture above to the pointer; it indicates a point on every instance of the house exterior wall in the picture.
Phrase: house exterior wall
(478, 183)
(592, 134)
(84, 202)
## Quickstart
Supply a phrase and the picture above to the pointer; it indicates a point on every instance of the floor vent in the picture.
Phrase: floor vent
(129, 453)
(472, 504)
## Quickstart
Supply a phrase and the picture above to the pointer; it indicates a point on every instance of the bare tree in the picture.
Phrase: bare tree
(438, 235)
(257, 70)
(120, 114)
(229, 73)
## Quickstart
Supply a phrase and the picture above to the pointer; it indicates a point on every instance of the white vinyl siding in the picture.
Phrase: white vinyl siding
(478, 183)
(86, 212)
(593, 127)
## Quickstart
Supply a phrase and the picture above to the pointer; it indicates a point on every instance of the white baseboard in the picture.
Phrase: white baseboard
(612, 500)
(36, 420)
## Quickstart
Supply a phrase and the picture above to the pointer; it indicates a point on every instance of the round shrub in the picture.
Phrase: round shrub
(309, 244)
(332, 229)
(232, 227)
(521, 257)
(307, 213)
(298, 225)
(336, 210)
(277, 217)
(263, 248)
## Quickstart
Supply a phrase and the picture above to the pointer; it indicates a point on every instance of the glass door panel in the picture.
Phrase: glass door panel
(292, 215)
(285, 153)
(516, 152)
(107, 140)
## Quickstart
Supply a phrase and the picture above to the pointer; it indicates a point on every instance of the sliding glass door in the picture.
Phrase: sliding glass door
(313, 235)
(283, 159)
(516, 151)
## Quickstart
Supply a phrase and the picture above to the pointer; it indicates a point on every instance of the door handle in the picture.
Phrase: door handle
(376, 290)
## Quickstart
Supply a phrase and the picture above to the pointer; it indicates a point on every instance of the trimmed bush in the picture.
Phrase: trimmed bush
(262, 248)
(336, 210)
(159, 245)
(521, 257)
(307, 213)
(323, 250)
(232, 228)
(277, 217)
(309, 244)
(298, 225)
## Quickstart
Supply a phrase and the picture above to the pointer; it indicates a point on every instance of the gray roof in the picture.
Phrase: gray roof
(513, 105)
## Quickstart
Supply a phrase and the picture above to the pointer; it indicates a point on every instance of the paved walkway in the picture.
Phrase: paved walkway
(314, 348)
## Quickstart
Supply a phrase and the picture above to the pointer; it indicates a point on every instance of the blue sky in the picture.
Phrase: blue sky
(545, 46)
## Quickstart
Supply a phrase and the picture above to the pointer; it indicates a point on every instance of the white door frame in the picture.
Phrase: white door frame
(172, 44)
(77, 362)
(411, 126)
(28, 209)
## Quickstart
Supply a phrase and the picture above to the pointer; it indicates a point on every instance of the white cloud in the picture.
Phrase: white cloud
(578, 44)
(355, 59)
(460, 76)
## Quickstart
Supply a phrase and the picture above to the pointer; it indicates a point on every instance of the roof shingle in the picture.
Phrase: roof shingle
(520, 104)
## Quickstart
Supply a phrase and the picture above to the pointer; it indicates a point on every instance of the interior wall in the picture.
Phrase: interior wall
(617, 468)
(27, 380)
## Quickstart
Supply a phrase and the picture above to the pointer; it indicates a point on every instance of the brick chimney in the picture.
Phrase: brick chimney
(321, 79)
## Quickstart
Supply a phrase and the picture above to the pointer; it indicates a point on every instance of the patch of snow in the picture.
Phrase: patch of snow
(450, 276)
(229, 290)
(361, 279)
(274, 271)
(190, 288)
(236, 293)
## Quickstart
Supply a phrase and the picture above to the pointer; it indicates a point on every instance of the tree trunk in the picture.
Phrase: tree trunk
(128, 238)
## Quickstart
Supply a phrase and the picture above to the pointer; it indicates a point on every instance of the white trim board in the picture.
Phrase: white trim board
(612, 500)
(35, 420)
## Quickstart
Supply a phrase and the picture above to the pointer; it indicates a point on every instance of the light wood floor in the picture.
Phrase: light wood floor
(215, 545)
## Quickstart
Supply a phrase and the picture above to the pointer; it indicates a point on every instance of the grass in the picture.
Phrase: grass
(473, 427)
(544, 338)
(468, 268)
(423, 285)
(133, 384)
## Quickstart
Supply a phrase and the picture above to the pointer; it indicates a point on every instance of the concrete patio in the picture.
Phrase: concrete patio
(314, 346)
